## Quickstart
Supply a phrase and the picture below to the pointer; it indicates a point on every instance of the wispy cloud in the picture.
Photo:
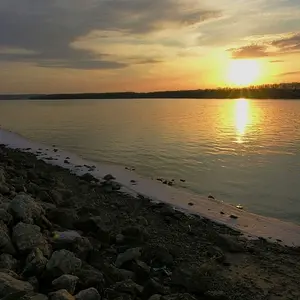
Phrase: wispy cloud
(276, 61)
(251, 51)
(290, 73)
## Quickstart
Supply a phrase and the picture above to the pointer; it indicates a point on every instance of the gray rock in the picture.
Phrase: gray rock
(5, 217)
(81, 247)
(142, 221)
(9, 285)
(61, 295)
(90, 277)
(89, 294)
(14, 296)
(45, 197)
(153, 287)
(129, 255)
(155, 297)
(34, 296)
(135, 234)
(141, 270)
(113, 274)
(157, 256)
(7, 261)
(35, 263)
(216, 295)
(195, 279)
(184, 296)
(63, 217)
(229, 243)
(120, 238)
(6, 245)
(25, 209)
(2, 175)
(67, 282)
(27, 237)
(62, 262)
(4, 189)
(128, 287)
(34, 282)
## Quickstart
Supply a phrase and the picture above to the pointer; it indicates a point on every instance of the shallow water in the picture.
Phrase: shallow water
(241, 151)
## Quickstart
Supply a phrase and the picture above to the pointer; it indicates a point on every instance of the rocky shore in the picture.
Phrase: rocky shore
(69, 237)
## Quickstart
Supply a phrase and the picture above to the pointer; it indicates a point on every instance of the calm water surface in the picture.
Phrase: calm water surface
(241, 151)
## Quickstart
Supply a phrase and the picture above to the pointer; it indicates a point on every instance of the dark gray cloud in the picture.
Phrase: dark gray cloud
(289, 44)
(251, 51)
(49, 27)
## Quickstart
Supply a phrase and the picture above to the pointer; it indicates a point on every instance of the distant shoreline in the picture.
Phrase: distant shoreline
(277, 91)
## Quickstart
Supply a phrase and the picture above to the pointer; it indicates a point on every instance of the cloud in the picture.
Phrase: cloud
(47, 29)
(251, 51)
(290, 73)
(276, 61)
(288, 44)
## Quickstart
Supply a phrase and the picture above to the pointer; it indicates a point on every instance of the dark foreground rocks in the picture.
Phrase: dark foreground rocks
(67, 237)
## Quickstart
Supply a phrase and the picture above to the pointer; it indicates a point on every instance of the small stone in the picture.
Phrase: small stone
(239, 206)
(191, 203)
(184, 296)
(7, 261)
(157, 256)
(222, 213)
(4, 189)
(153, 287)
(66, 161)
(141, 270)
(211, 197)
(109, 177)
(113, 274)
(67, 282)
(129, 287)
(6, 245)
(35, 263)
(142, 221)
(182, 180)
(155, 297)
(88, 294)
(216, 295)
(5, 217)
(129, 255)
(61, 295)
(34, 296)
(120, 238)
(233, 217)
(90, 277)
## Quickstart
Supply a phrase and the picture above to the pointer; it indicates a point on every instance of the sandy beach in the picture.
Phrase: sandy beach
(136, 238)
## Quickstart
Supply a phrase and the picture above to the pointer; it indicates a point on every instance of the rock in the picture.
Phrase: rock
(95, 225)
(141, 270)
(211, 197)
(233, 217)
(63, 217)
(15, 296)
(32, 188)
(34, 282)
(6, 245)
(90, 277)
(45, 197)
(135, 234)
(35, 263)
(228, 243)
(88, 294)
(142, 221)
(5, 217)
(4, 189)
(7, 261)
(66, 161)
(155, 297)
(88, 177)
(61, 295)
(157, 256)
(195, 279)
(153, 287)
(81, 247)
(113, 274)
(128, 287)
(25, 209)
(9, 285)
(27, 237)
(2, 175)
(184, 296)
(190, 203)
(120, 238)
(67, 282)
(62, 262)
(216, 295)
(34, 296)
(182, 180)
(129, 255)
(109, 177)
(20, 188)
(56, 196)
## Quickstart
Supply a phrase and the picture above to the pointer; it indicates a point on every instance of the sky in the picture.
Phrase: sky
(66, 46)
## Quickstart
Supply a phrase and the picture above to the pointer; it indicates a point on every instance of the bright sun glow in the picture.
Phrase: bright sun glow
(243, 72)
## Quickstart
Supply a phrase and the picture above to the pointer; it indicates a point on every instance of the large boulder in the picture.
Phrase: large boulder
(9, 285)
(62, 262)
(7, 261)
(67, 282)
(129, 255)
(35, 263)
(6, 245)
(27, 237)
(89, 294)
(25, 209)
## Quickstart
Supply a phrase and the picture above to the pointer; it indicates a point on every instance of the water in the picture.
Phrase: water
(241, 151)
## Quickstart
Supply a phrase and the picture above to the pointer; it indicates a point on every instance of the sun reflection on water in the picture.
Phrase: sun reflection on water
(242, 118)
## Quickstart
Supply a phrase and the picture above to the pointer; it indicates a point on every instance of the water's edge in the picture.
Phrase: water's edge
(252, 225)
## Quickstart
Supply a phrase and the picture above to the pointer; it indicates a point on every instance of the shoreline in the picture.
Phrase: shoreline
(253, 226)
(124, 247)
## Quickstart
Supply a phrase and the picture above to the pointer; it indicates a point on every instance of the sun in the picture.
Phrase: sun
(243, 72)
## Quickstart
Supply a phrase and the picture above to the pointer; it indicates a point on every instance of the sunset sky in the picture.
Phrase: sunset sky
(59, 46)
